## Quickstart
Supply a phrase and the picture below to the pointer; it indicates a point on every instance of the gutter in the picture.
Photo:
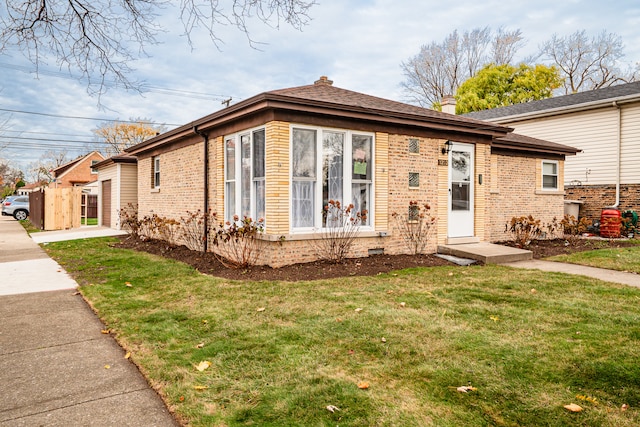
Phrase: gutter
(205, 137)
(618, 153)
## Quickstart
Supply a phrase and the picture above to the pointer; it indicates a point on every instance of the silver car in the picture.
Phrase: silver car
(16, 206)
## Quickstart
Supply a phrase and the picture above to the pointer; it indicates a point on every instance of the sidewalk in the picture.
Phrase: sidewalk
(614, 276)
(56, 367)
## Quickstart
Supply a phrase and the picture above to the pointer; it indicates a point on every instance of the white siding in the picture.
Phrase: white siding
(595, 132)
(630, 153)
(128, 188)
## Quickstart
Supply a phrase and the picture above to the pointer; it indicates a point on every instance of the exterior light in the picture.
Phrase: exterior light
(447, 147)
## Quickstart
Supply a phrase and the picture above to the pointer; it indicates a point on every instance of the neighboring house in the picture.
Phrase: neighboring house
(77, 172)
(605, 125)
(281, 155)
(29, 188)
(117, 188)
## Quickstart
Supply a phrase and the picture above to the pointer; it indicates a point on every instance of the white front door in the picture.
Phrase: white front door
(461, 207)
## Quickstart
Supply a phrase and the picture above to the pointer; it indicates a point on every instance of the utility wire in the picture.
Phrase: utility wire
(85, 118)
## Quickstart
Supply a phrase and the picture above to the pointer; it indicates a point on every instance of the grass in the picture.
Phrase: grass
(622, 259)
(530, 342)
(89, 221)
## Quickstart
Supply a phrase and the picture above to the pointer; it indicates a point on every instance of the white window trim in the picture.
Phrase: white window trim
(347, 179)
(237, 180)
(157, 171)
(542, 175)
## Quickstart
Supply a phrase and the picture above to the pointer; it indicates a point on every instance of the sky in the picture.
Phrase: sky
(360, 45)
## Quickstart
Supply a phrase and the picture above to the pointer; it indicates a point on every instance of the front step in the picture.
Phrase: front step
(488, 253)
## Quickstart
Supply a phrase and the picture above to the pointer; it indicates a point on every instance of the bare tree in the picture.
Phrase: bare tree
(99, 38)
(42, 170)
(440, 68)
(588, 63)
(505, 45)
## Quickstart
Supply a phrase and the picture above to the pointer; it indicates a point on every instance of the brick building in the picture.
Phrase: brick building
(281, 155)
(77, 172)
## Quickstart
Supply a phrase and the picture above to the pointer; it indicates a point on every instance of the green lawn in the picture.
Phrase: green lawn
(280, 353)
(623, 259)
(89, 221)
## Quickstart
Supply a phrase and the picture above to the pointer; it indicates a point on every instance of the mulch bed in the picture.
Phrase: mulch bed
(207, 263)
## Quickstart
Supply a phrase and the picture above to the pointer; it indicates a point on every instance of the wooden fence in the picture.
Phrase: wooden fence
(62, 208)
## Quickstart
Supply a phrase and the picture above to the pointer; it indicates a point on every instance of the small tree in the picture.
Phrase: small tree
(416, 227)
(341, 230)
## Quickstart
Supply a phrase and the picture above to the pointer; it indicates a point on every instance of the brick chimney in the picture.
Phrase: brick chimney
(448, 104)
(323, 80)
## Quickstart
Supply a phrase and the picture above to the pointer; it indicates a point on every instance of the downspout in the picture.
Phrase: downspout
(618, 153)
(205, 136)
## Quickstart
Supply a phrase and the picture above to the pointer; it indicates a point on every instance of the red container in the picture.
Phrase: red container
(610, 221)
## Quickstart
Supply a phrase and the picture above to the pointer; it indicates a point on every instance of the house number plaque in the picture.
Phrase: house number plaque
(443, 162)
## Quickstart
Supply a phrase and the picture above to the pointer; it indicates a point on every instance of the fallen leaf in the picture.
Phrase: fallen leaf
(494, 318)
(205, 321)
(451, 273)
(358, 310)
(128, 355)
(105, 331)
(203, 365)
(261, 309)
(383, 339)
(338, 319)
(624, 407)
(465, 389)
(351, 352)
(332, 408)
(200, 387)
(533, 291)
(181, 398)
(128, 284)
(403, 304)
(200, 345)
(363, 385)
(107, 366)
(573, 407)
(389, 292)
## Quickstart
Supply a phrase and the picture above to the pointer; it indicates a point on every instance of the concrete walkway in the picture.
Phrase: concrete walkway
(56, 367)
(621, 277)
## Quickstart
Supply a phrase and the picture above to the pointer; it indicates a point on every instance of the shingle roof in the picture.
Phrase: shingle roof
(606, 94)
(527, 143)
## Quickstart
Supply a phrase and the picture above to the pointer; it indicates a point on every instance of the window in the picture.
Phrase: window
(414, 180)
(93, 163)
(156, 172)
(329, 165)
(414, 146)
(245, 175)
(549, 175)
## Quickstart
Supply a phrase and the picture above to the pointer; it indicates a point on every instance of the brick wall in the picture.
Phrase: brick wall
(79, 174)
(181, 183)
(514, 194)
(597, 197)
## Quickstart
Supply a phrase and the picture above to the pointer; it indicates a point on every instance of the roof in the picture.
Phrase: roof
(322, 98)
(582, 100)
(515, 141)
(60, 170)
(120, 158)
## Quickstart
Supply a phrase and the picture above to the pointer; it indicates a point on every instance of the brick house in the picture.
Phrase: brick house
(77, 172)
(603, 124)
(281, 155)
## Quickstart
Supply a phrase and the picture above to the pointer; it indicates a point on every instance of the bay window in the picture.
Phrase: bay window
(329, 165)
(245, 175)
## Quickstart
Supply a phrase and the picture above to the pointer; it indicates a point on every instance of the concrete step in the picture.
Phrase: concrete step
(488, 253)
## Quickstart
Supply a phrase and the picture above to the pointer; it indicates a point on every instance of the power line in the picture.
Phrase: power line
(61, 116)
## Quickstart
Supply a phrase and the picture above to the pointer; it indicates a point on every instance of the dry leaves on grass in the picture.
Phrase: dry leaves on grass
(465, 389)
(572, 407)
(332, 408)
(363, 385)
(203, 365)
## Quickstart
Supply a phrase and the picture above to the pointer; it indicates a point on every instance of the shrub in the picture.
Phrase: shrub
(524, 229)
(342, 226)
(572, 228)
(416, 227)
(239, 242)
(128, 217)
